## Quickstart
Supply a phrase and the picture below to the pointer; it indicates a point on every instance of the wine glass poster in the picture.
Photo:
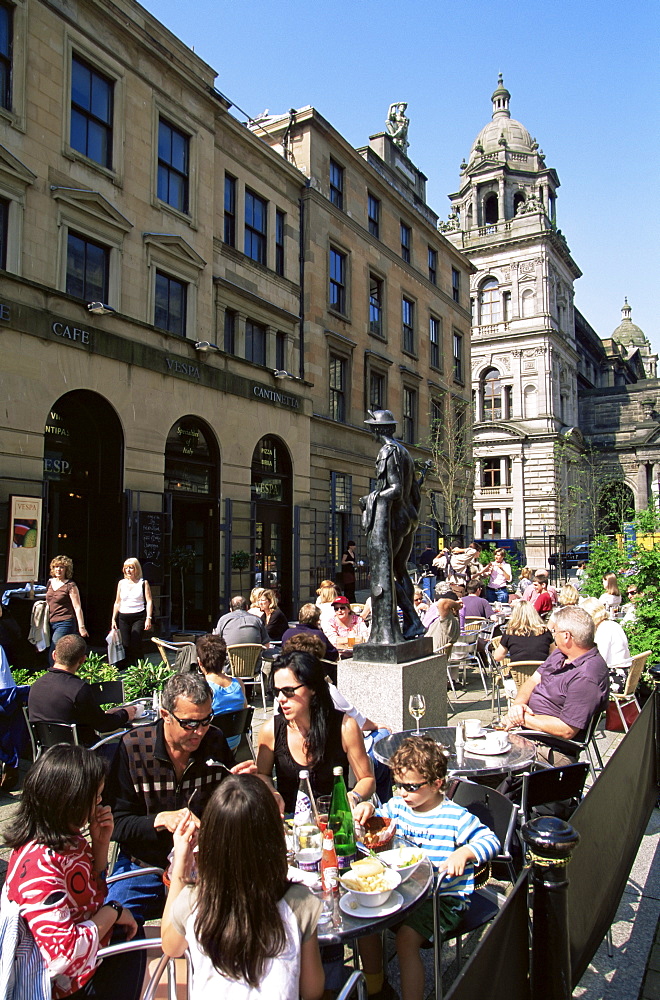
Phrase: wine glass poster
(24, 545)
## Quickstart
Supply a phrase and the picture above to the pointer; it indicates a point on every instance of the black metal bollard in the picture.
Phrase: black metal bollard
(550, 842)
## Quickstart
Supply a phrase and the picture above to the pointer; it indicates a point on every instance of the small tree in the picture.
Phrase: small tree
(183, 559)
(240, 560)
(453, 465)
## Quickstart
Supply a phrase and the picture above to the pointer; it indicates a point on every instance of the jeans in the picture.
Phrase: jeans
(67, 627)
(119, 976)
(143, 895)
(497, 594)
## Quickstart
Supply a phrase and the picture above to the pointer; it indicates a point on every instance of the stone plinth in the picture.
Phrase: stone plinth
(381, 690)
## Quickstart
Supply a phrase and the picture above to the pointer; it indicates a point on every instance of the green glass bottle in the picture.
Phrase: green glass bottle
(340, 821)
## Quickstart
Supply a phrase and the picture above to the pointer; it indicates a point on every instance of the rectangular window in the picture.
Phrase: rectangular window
(406, 240)
(6, 39)
(336, 184)
(255, 342)
(279, 241)
(435, 342)
(491, 524)
(337, 387)
(230, 210)
(491, 474)
(376, 391)
(255, 227)
(91, 112)
(338, 281)
(374, 216)
(87, 269)
(458, 356)
(437, 418)
(280, 350)
(230, 331)
(408, 322)
(173, 166)
(433, 266)
(409, 415)
(375, 305)
(170, 311)
(455, 285)
(4, 229)
(341, 492)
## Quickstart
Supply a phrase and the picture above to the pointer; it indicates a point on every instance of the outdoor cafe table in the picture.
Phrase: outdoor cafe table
(341, 928)
(519, 756)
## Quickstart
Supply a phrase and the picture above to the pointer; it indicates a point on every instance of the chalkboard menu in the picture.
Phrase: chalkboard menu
(151, 528)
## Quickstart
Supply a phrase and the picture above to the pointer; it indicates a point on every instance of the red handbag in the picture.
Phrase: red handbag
(613, 720)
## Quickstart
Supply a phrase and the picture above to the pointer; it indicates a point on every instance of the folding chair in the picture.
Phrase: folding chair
(628, 696)
(551, 784)
(495, 811)
(239, 724)
(245, 662)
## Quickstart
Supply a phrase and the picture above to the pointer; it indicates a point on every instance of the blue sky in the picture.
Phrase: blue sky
(584, 77)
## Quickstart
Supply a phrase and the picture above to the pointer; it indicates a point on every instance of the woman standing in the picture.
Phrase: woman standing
(273, 618)
(57, 878)
(500, 577)
(63, 598)
(309, 732)
(348, 572)
(132, 610)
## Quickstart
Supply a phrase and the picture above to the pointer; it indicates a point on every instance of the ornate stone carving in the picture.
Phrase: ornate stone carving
(397, 125)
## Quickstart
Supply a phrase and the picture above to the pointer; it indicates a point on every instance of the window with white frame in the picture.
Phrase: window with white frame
(489, 302)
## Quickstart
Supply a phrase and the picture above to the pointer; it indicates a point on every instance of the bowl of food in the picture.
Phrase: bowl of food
(370, 882)
(404, 860)
(378, 833)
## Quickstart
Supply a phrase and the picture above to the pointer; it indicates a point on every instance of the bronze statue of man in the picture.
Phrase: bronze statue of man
(390, 515)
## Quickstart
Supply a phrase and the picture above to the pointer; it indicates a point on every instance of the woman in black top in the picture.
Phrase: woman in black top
(272, 616)
(525, 637)
(309, 733)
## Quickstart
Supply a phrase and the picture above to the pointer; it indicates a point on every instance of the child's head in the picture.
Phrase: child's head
(421, 754)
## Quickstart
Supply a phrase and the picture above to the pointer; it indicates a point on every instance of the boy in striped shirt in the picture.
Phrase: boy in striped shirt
(452, 838)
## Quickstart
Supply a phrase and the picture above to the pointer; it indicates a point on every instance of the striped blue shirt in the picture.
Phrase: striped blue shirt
(441, 831)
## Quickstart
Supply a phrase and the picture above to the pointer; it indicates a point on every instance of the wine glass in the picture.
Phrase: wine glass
(417, 707)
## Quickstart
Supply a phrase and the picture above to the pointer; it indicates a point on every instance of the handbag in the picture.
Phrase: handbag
(613, 720)
(115, 646)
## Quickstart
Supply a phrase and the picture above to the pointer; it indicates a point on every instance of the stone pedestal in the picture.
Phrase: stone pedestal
(381, 690)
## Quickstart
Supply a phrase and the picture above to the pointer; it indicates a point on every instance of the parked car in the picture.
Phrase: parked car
(573, 557)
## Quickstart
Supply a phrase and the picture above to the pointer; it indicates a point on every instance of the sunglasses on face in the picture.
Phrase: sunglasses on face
(288, 692)
(411, 786)
(192, 724)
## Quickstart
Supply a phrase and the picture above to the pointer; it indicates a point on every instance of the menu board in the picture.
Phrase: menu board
(150, 545)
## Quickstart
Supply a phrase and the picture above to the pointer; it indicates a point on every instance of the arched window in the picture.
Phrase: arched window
(491, 209)
(528, 303)
(530, 404)
(492, 395)
(616, 505)
(489, 302)
(518, 200)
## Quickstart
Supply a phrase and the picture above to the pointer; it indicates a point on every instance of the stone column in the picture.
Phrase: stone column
(518, 495)
(515, 291)
(239, 337)
(642, 487)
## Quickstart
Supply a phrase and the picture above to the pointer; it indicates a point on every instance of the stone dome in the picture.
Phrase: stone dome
(627, 333)
(502, 129)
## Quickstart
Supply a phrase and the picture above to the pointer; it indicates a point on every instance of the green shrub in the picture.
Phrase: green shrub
(605, 556)
(23, 676)
(141, 680)
(96, 668)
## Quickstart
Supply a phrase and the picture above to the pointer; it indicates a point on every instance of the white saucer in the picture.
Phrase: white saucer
(480, 750)
(394, 903)
(482, 732)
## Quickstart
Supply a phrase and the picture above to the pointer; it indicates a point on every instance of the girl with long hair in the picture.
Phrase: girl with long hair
(611, 598)
(57, 878)
(250, 932)
(309, 732)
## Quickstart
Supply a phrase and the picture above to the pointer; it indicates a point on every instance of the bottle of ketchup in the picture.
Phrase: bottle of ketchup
(329, 868)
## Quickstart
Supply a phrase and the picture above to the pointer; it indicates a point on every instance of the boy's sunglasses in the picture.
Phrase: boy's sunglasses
(411, 786)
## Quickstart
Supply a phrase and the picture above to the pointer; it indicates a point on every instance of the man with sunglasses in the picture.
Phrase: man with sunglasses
(162, 770)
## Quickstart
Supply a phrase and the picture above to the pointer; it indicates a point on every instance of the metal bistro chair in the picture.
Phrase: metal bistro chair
(238, 723)
(47, 734)
(465, 651)
(574, 747)
(495, 811)
(522, 670)
(245, 662)
(551, 784)
(628, 696)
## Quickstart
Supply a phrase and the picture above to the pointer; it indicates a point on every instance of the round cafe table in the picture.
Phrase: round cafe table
(518, 757)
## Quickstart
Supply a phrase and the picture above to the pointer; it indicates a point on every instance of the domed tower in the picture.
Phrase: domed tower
(633, 338)
(524, 359)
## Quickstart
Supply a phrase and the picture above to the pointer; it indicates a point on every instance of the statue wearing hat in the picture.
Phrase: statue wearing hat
(390, 515)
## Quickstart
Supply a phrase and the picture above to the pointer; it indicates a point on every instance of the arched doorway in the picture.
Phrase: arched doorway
(616, 505)
(192, 479)
(271, 493)
(83, 463)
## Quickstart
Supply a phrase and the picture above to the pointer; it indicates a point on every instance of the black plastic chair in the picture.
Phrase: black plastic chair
(574, 747)
(551, 784)
(495, 811)
(237, 723)
(108, 692)
(481, 911)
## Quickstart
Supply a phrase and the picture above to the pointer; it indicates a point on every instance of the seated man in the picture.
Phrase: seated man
(60, 696)
(309, 617)
(541, 600)
(161, 770)
(541, 577)
(474, 604)
(239, 626)
(445, 628)
(563, 694)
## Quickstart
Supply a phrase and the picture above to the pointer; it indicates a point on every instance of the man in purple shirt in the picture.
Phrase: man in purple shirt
(474, 605)
(569, 687)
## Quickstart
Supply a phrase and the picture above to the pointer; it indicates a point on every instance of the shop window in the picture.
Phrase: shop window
(190, 458)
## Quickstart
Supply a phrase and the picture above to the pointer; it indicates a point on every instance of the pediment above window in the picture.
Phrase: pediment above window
(91, 208)
(14, 173)
(164, 247)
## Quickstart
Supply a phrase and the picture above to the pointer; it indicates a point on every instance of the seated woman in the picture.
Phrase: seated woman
(309, 617)
(57, 878)
(327, 593)
(274, 619)
(255, 594)
(249, 930)
(612, 643)
(568, 595)
(344, 624)
(309, 732)
(228, 692)
(525, 636)
(611, 599)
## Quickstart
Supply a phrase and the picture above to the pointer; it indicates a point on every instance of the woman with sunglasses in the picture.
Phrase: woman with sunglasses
(308, 732)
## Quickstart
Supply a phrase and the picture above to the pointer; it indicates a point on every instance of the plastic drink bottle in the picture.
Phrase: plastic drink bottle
(308, 837)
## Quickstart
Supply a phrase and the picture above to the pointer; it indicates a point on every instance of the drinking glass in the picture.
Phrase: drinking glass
(416, 707)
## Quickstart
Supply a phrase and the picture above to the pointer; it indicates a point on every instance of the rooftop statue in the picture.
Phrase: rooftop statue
(397, 125)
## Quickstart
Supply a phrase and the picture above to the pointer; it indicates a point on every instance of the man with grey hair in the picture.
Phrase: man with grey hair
(162, 770)
(240, 626)
(563, 694)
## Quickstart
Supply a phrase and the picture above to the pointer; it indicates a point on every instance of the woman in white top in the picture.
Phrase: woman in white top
(132, 611)
(612, 643)
(611, 599)
(250, 932)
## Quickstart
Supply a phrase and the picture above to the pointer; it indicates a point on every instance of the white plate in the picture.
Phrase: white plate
(482, 732)
(480, 749)
(394, 903)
